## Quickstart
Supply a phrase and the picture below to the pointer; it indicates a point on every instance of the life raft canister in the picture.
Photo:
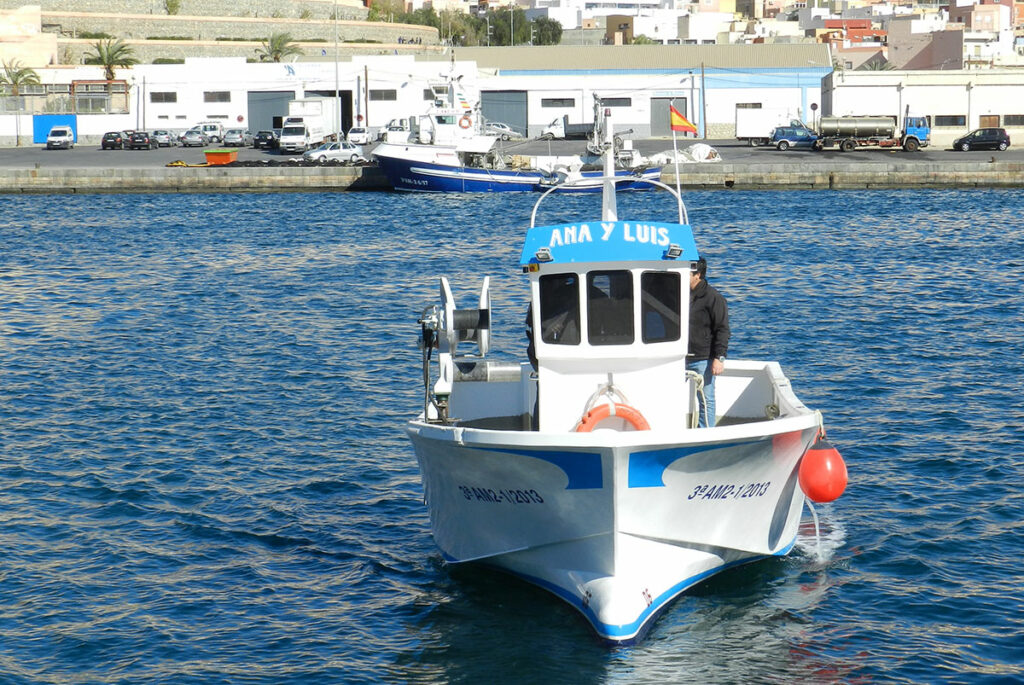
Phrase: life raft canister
(465, 121)
(603, 411)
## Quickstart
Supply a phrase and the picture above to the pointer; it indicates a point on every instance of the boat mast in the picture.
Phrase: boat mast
(609, 210)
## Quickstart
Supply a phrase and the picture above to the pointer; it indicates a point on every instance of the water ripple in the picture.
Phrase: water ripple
(206, 479)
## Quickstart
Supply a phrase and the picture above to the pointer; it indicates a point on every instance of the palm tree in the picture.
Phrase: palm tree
(15, 76)
(111, 53)
(277, 47)
(876, 65)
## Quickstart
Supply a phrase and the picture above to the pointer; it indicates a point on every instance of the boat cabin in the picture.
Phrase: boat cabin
(609, 314)
(608, 323)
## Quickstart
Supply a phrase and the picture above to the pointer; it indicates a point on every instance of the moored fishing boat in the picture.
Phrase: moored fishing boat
(584, 472)
(448, 152)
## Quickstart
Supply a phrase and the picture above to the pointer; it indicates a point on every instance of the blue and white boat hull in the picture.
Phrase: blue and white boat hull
(437, 169)
(616, 524)
(424, 176)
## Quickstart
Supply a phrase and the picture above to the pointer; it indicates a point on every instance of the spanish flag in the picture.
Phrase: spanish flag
(678, 122)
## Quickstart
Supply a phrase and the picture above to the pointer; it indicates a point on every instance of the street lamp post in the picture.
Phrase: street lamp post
(337, 93)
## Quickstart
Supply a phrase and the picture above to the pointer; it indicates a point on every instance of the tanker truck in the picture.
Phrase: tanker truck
(848, 133)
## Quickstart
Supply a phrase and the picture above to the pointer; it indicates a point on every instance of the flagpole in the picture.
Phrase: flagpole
(675, 152)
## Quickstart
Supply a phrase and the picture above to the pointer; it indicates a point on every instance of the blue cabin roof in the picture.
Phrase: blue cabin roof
(608, 241)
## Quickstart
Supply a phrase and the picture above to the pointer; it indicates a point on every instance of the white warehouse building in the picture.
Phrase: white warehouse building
(526, 87)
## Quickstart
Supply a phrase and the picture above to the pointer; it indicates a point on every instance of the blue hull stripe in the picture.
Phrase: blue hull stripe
(647, 469)
(423, 176)
(583, 469)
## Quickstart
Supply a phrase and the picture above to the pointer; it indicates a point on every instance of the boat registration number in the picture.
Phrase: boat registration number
(729, 490)
(501, 495)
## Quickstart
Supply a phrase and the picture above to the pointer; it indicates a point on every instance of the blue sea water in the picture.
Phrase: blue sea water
(204, 477)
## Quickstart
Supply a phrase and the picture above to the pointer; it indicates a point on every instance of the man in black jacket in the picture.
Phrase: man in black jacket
(709, 337)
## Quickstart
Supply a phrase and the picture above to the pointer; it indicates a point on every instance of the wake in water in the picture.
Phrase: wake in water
(820, 538)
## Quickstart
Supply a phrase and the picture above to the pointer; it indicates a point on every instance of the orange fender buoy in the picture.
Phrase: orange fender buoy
(603, 411)
(822, 472)
(465, 121)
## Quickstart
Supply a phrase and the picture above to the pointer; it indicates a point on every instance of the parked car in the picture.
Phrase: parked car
(343, 150)
(141, 140)
(785, 137)
(983, 139)
(164, 138)
(193, 138)
(113, 140)
(394, 133)
(503, 131)
(265, 140)
(60, 138)
(238, 136)
(358, 135)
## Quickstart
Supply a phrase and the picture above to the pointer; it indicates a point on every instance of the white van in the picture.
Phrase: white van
(212, 130)
(60, 137)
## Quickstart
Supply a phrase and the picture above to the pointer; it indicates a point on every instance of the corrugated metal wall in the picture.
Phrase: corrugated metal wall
(506, 106)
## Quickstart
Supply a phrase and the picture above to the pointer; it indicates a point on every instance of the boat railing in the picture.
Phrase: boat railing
(590, 180)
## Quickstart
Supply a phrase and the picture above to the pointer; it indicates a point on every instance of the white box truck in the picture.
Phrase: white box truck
(755, 125)
(309, 123)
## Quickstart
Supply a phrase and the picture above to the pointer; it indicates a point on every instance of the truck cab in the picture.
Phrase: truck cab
(294, 135)
(916, 129)
(561, 128)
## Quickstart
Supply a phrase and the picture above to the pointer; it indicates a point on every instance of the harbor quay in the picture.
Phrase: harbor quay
(90, 170)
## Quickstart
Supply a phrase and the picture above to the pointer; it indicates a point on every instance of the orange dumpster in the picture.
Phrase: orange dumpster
(221, 156)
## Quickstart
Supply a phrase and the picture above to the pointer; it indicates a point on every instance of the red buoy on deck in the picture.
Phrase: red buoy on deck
(822, 472)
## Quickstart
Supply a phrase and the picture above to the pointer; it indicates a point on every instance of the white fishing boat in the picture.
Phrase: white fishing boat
(449, 151)
(588, 475)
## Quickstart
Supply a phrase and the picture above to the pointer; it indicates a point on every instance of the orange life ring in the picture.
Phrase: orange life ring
(603, 411)
(465, 121)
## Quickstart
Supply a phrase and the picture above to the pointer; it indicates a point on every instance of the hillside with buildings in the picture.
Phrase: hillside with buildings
(861, 35)
(958, 66)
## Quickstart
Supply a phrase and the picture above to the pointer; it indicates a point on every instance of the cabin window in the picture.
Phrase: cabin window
(560, 309)
(610, 307)
(659, 306)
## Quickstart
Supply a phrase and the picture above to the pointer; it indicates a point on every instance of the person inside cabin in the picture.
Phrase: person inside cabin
(709, 337)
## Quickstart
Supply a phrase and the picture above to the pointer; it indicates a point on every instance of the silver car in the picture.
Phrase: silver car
(237, 136)
(193, 137)
(503, 131)
(164, 138)
(358, 135)
(343, 151)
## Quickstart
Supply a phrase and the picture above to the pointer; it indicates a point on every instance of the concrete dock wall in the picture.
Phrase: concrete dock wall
(190, 180)
(849, 176)
(692, 176)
